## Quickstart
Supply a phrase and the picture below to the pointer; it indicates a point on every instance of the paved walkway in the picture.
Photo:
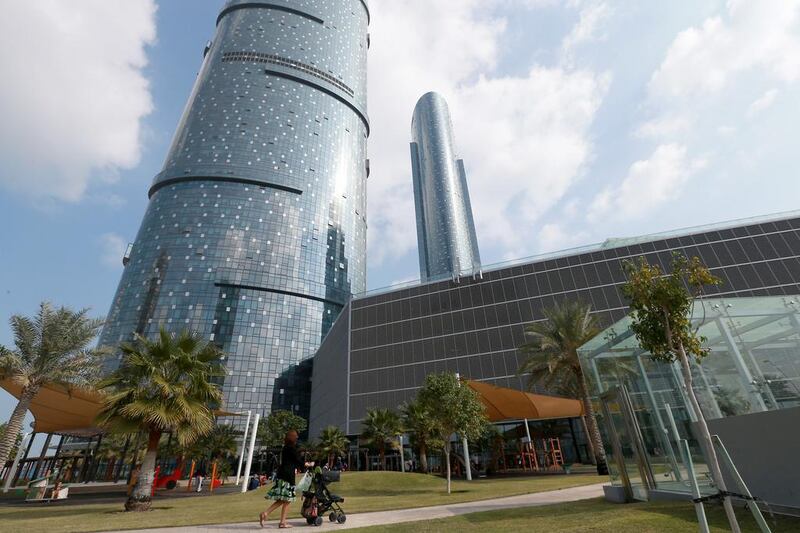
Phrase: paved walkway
(412, 515)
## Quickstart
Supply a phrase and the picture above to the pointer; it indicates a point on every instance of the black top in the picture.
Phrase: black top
(290, 461)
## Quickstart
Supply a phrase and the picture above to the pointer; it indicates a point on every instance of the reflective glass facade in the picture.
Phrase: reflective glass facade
(750, 378)
(473, 325)
(446, 236)
(255, 234)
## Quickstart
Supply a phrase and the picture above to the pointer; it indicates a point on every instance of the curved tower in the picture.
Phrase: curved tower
(445, 228)
(255, 234)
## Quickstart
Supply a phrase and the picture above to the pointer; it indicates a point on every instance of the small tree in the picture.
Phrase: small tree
(332, 442)
(162, 386)
(273, 431)
(661, 306)
(379, 427)
(455, 408)
(418, 419)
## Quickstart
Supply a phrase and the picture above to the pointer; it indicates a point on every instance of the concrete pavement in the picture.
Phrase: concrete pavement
(409, 515)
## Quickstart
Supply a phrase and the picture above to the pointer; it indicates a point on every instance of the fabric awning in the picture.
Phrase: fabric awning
(57, 410)
(68, 412)
(509, 404)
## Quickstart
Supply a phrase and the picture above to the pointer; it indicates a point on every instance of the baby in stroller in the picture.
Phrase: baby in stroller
(318, 500)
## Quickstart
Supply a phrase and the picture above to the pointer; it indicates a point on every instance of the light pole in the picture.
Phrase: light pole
(402, 455)
(465, 444)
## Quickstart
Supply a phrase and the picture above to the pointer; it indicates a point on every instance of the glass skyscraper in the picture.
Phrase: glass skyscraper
(445, 228)
(255, 234)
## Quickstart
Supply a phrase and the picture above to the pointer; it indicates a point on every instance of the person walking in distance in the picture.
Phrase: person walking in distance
(200, 475)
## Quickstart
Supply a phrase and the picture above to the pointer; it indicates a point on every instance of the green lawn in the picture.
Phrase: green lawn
(363, 491)
(590, 516)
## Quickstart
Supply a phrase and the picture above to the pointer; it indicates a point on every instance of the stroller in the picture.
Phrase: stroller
(318, 500)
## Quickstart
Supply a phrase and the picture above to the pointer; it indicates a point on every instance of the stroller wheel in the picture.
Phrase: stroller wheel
(342, 518)
(332, 517)
(310, 521)
(318, 521)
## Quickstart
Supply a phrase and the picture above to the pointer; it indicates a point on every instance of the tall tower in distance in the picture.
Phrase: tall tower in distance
(445, 228)
(255, 232)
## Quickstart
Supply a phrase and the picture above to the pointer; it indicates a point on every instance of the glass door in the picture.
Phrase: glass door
(630, 464)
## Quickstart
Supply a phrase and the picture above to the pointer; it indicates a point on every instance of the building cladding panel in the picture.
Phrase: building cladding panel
(255, 234)
(445, 228)
(474, 325)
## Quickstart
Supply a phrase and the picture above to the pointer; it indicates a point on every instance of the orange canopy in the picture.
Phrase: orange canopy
(58, 410)
(509, 404)
(68, 412)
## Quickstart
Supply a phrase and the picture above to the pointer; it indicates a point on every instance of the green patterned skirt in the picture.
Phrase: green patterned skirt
(281, 491)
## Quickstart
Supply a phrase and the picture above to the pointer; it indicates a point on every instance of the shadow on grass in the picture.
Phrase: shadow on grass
(67, 511)
(399, 492)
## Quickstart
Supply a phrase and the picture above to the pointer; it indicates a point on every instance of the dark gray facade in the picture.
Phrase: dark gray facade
(255, 234)
(473, 325)
(446, 236)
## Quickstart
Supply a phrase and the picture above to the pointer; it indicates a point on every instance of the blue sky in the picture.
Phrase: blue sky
(577, 120)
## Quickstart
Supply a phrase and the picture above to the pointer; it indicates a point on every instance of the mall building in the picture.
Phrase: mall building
(385, 342)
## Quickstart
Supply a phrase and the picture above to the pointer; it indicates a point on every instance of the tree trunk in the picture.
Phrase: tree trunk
(15, 423)
(423, 458)
(594, 431)
(447, 460)
(112, 461)
(140, 499)
(705, 438)
(589, 441)
(382, 452)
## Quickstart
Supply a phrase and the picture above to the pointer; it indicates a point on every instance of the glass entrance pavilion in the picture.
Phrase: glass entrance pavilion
(748, 388)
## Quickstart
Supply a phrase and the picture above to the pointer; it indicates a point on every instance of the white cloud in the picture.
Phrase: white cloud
(649, 183)
(524, 139)
(591, 17)
(554, 236)
(749, 35)
(664, 126)
(762, 103)
(532, 144)
(73, 92)
(112, 249)
(697, 101)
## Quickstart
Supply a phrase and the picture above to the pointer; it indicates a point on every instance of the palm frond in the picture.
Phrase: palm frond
(551, 353)
(165, 385)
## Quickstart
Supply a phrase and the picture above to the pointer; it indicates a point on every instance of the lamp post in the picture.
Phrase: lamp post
(465, 444)
(402, 455)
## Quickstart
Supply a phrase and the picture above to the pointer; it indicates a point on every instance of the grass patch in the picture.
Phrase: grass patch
(590, 516)
(363, 492)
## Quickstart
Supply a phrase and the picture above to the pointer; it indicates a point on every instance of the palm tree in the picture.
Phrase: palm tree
(418, 420)
(219, 445)
(162, 386)
(332, 442)
(552, 359)
(380, 426)
(222, 442)
(50, 347)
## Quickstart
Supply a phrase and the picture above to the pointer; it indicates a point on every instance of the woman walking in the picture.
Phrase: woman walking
(283, 491)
